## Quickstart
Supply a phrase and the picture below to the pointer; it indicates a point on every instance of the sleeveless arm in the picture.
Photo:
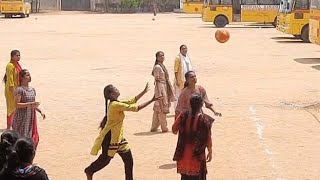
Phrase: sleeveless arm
(176, 124)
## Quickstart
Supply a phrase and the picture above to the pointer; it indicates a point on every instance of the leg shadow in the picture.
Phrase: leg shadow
(308, 60)
(168, 166)
(147, 133)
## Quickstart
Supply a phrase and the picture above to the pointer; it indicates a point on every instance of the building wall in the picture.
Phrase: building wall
(49, 5)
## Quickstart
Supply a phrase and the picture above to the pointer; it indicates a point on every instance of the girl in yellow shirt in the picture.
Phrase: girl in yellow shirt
(111, 138)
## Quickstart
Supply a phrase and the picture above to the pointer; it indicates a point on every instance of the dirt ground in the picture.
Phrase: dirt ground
(260, 80)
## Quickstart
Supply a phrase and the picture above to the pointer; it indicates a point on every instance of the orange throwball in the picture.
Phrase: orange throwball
(222, 36)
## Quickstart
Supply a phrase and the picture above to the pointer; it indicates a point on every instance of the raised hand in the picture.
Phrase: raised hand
(157, 98)
(146, 89)
(43, 116)
(217, 114)
(35, 104)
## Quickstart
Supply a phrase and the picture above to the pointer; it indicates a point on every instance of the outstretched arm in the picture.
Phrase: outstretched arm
(42, 114)
(210, 106)
(207, 102)
(146, 89)
(143, 105)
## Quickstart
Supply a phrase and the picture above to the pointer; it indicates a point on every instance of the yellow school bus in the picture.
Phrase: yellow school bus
(15, 7)
(314, 22)
(296, 19)
(192, 6)
(222, 12)
(281, 13)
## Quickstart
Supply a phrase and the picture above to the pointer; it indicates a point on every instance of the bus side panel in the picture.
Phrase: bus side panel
(8, 7)
(294, 25)
(314, 26)
(298, 24)
(259, 13)
(192, 7)
(212, 11)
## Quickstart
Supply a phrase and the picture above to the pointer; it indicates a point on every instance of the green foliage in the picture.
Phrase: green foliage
(132, 3)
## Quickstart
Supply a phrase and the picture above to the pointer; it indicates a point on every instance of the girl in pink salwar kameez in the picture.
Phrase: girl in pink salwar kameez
(164, 89)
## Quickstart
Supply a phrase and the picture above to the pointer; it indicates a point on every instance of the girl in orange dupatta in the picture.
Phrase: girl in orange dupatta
(11, 80)
(25, 119)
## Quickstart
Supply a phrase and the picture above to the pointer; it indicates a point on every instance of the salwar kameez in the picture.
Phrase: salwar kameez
(11, 82)
(194, 137)
(164, 89)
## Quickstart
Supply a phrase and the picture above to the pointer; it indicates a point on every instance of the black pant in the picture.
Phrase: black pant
(103, 160)
(200, 177)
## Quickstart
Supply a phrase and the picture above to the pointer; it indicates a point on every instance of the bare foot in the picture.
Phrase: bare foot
(165, 130)
(89, 177)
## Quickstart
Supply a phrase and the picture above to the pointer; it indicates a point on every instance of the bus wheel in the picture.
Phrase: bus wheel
(23, 15)
(27, 15)
(305, 34)
(220, 21)
(274, 22)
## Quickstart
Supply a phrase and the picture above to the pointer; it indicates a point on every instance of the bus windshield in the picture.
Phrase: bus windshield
(283, 6)
(315, 4)
(298, 5)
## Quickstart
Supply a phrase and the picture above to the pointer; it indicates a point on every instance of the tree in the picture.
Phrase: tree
(106, 5)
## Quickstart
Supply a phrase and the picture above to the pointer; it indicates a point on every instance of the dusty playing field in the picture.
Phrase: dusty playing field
(259, 80)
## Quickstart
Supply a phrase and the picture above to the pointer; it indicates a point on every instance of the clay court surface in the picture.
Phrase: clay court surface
(265, 84)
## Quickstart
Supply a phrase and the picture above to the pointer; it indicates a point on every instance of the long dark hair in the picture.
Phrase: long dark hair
(22, 74)
(186, 76)
(8, 139)
(24, 152)
(12, 54)
(156, 61)
(106, 92)
(196, 103)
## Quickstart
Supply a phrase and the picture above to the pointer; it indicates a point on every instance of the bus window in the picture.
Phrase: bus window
(314, 4)
(249, 2)
(226, 2)
(269, 2)
(302, 4)
(223, 2)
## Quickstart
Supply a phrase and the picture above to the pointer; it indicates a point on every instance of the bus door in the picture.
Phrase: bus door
(269, 9)
(236, 10)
